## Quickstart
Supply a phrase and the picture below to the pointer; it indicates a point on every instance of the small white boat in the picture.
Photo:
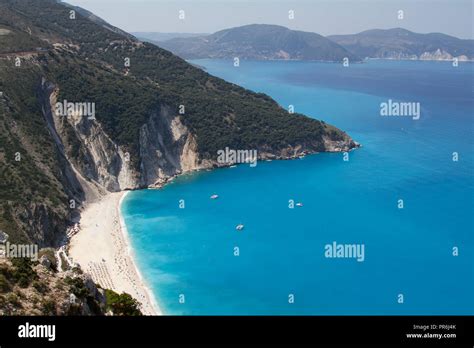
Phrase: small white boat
(299, 204)
(234, 166)
(240, 227)
(214, 196)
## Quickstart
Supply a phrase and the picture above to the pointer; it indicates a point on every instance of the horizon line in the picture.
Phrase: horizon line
(305, 31)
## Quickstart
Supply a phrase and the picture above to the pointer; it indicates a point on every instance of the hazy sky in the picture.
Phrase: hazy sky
(326, 17)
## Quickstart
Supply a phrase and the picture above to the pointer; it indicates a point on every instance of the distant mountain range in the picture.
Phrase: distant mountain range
(403, 44)
(260, 42)
(160, 37)
(272, 42)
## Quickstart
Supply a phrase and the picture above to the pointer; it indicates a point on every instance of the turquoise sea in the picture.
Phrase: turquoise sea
(408, 251)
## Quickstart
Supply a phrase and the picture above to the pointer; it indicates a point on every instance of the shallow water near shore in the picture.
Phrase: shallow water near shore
(407, 251)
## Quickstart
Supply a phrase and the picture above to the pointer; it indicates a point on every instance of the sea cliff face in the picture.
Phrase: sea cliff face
(167, 149)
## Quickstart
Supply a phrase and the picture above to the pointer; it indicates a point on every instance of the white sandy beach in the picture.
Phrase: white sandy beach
(102, 249)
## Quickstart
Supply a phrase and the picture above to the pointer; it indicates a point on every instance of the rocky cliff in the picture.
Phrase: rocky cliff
(167, 148)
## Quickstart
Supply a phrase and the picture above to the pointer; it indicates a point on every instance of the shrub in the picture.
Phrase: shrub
(40, 286)
(48, 307)
(23, 273)
(77, 287)
(4, 284)
(12, 299)
(122, 304)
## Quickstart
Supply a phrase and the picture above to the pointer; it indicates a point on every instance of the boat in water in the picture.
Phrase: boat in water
(240, 227)
(214, 196)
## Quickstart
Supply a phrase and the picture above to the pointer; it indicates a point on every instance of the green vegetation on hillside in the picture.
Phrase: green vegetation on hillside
(12, 41)
(122, 304)
(29, 174)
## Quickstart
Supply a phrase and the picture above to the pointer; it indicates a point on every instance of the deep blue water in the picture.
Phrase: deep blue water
(408, 251)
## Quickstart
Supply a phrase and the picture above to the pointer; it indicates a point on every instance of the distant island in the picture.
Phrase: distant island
(400, 43)
(273, 42)
(259, 42)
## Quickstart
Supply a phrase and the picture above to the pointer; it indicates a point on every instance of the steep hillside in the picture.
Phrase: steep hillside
(403, 44)
(154, 118)
(261, 42)
(37, 288)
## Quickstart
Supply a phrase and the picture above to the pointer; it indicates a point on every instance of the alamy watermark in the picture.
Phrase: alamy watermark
(37, 331)
(229, 156)
(393, 108)
(345, 251)
(69, 109)
(14, 251)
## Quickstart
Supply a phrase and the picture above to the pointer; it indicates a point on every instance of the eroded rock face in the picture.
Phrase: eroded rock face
(342, 145)
(167, 148)
(92, 154)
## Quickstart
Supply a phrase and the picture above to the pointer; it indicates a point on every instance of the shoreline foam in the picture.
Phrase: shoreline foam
(131, 254)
